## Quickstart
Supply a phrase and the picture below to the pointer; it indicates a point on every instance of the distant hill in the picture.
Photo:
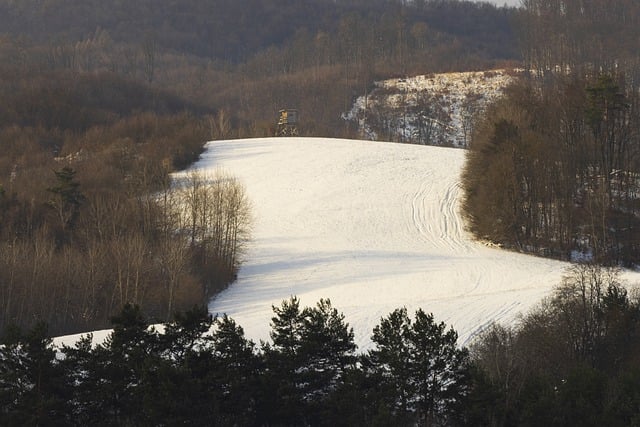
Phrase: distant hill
(234, 30)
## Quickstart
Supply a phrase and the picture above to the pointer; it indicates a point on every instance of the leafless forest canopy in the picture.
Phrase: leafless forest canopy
(564, 144)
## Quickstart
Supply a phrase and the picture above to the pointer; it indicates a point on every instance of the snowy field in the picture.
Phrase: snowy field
(372, 226)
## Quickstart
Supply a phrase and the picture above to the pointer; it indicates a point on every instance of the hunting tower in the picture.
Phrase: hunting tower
(287, 123)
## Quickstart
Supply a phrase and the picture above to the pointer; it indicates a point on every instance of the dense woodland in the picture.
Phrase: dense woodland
(564, 144)
(101, 100)
(571, 361)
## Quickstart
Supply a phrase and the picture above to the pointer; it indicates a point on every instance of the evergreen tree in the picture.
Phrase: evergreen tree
(121, 369)
(187, 335)
(326, 354)
(439, 368)
(176, 387)
(389, 363)
(33, 387)
(286, 327)
(67, 197)
(235, 374)
(312, 350)
(424, 374)
(83, 367)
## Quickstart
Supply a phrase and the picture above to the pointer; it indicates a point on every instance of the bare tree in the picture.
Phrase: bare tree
(149, 52)
(128, 256)
(219, 125)
(216, 214)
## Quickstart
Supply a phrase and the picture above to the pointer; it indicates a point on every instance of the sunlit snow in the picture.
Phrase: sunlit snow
(372, 226)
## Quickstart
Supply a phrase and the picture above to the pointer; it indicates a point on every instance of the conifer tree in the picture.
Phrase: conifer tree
(33, 387)
(121, 376)
(312, 350)
(327, 354)
(235, 374)
(67, 197)
(419, 366)
(281, 401)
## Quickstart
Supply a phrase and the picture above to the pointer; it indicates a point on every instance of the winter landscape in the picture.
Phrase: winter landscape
(408, 213)
(372, 226)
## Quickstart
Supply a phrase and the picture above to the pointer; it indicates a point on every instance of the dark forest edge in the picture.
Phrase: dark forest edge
(571, 361)
(565, 155)
(553, 167)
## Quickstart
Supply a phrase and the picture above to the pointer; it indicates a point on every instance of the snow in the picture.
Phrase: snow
(372, 226)
(501, 3)
(396, 107)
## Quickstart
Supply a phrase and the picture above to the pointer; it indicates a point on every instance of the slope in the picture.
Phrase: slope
(372, 226)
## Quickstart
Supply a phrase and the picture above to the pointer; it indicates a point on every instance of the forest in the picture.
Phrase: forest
(564, 141)
(571, 361)
(101, 101)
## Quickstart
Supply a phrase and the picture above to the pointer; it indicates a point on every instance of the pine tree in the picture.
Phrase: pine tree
(326, 354)
(438, 367)
(312, 351)
(177, 389)
(389, 363)
(235, 376)
(419, 366)
(281, 399)
(67, 197)
(121, 370)
(286, 327)
(33, 387)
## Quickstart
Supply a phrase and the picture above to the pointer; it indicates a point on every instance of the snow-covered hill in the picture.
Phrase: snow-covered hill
(373, 226)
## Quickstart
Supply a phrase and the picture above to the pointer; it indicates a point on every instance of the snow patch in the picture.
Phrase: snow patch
(437, 109)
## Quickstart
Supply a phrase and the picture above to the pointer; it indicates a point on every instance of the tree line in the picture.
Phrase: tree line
(563, 143)
(89, 216)
(571, 361)
(202, 370)
(236, 31)
(86, 255)
(579, 37)
(566, 160)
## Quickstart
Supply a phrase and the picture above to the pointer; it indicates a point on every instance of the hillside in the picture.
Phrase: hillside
(373, 226)
(436, 109)
(245, 60)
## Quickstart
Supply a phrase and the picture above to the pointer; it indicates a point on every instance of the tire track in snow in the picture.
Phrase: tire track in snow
(423, 226)
(454, 229)
(439, 224)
